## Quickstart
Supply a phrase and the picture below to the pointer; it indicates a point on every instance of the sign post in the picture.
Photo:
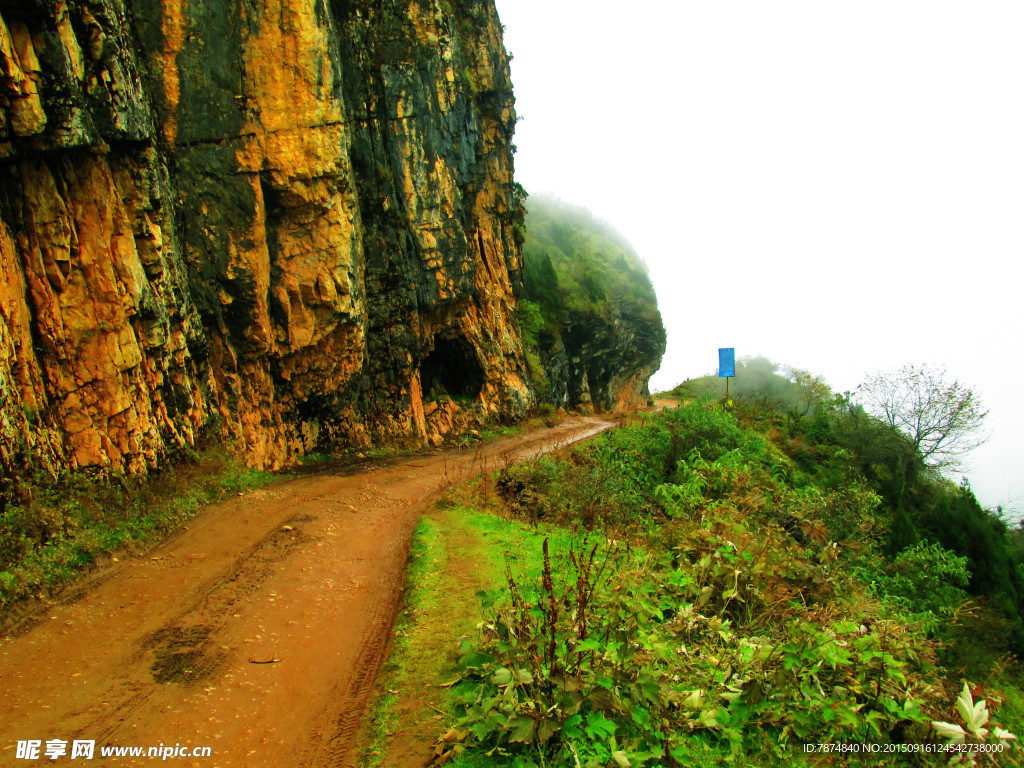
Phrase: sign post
(726, 366)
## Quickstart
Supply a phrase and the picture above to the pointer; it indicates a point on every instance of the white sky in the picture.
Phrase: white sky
(838, 186)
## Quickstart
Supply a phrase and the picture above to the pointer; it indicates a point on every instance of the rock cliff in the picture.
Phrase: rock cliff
(591, 315)
(293, 221)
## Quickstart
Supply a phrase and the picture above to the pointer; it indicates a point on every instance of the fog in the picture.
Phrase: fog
(837, 187)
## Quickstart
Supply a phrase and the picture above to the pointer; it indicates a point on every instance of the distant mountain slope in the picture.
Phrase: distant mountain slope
(590, 312)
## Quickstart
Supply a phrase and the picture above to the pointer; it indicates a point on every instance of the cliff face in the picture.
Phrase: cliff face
(599, 335)
(608, 359)
(291, 219)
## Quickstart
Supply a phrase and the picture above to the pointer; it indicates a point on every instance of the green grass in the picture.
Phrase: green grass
(501, 431)
(434, 607)
(515, 543)
(422, 577)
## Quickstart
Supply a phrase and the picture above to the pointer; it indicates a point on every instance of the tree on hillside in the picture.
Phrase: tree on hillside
(943, 419)
(812, 390)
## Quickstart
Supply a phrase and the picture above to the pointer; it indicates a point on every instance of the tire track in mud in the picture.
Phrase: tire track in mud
(308, 572)
(335, 735)
(182, 648)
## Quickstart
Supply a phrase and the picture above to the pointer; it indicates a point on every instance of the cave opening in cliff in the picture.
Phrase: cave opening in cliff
(452, 369)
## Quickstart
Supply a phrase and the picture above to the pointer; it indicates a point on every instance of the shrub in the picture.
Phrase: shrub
(959, 523)
(621, 655)
(706, 429)
(925, 583)
(610, 480)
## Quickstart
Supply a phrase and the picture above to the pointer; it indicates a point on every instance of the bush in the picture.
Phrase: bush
(960, 524)
(925, 583)
(610, 480)
(751, 606)
(532, 488)
(711, 432)
(621, 655)
(849, 512)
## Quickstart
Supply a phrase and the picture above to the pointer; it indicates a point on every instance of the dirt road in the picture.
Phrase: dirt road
(257, 631)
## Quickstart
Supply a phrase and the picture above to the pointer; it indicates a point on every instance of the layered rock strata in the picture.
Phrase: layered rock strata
(291, 221)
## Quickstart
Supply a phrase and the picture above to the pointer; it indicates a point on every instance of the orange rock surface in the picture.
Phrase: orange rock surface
(286, 222)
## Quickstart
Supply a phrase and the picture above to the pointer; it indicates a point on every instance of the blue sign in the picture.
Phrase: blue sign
(726, 362)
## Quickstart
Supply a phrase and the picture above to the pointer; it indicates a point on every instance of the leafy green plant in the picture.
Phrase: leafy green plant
(648, 647)
(554, 676)
(711, 431)
(848, 512)
(975, 716)
(925, 583)
(742, 603)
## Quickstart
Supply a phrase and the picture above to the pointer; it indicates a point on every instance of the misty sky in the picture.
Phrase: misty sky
(836, 186)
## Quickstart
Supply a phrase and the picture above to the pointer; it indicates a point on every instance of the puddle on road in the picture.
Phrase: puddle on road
(180, 654)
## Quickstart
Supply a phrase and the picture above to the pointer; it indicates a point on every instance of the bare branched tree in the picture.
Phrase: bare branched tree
(943, 419)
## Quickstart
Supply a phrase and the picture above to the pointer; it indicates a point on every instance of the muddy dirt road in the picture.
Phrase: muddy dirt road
(256, 631)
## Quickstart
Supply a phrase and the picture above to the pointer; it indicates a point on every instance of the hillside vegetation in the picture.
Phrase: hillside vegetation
(589, 313)
(576, 263)
(724, 582)
(916, 502)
